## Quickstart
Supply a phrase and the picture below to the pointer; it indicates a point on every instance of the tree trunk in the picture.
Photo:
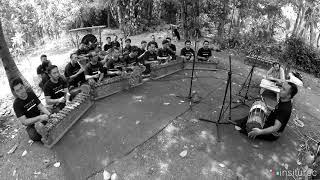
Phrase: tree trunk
(9, 65)
(301, 21)
(109, 17)
(294, 32)
(318, 39)
(184, 19)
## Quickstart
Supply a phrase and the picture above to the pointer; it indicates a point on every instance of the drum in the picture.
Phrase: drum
(257, 115)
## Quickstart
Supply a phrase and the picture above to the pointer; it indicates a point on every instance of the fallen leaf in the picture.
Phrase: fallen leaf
(255, 145)
(166, 104)
(194, 120)
(183, 153)
(30, 142)
(12, 149)
(222, 165)
(37, 173)
(137, 122)
(172, 94)
(114, 176)
(106, 175)
(182, 101)
(46, 161)
(14, 172)
(57, 164)
(24, 153)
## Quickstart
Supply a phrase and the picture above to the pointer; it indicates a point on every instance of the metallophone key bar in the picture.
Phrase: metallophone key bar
(259, 62)
(59, 124)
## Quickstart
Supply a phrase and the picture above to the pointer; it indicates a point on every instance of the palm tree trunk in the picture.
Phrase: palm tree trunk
(9, 65)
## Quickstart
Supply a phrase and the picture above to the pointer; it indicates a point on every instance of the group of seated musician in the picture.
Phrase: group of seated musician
(88, 65)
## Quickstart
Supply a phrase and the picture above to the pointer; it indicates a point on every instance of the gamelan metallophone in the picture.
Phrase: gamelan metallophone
(58, 124)
(162, 70)
(113, 85)
(259, 62)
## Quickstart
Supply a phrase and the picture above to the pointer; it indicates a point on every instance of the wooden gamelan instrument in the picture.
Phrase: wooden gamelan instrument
(58, 124)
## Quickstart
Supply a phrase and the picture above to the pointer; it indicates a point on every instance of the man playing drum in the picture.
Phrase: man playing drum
(278, 118)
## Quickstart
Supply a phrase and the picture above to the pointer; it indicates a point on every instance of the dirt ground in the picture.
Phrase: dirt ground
(159, 158)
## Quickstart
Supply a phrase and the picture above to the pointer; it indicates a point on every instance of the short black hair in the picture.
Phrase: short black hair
(16, 82)
(72, 54)
(187, 41)
(43, 55)
(128, 40)
(205, 41)
(134, 49)
(165, 41)
(151, 42)
(142, 42)
(51, 67)
(293, 89)
(108, 37)
(168, 38)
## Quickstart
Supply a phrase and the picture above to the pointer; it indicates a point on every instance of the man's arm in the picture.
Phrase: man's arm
(256, 131)
(66, 90)
(53, 101)
(43, 109)
(100, 77)
(282, 75)
(77, 74)
(29, 121)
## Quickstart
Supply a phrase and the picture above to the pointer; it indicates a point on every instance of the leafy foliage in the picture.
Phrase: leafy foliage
(301, 56)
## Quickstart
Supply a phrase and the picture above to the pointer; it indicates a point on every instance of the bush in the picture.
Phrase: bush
(301, 56)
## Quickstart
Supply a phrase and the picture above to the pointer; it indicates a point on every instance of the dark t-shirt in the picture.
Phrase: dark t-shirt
(187, 52)
(141, 51)
(150, 56)
(130, 60)
(127, 50)
(282, 112)
(154, 43)
(204, 53)
(173, 47)
(72, 70)
(115, 43)
(163, 52)
(28, 107)
(94, 69)
(55, 90)
(107, 46)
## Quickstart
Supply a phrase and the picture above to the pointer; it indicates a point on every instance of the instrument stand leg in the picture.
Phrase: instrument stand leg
(222, 110)
(191, 98)
(246, 85)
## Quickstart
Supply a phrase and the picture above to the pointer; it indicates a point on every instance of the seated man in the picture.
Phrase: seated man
(28, 109)
(165, 53)
(153, 40)
(132, 57)
(74, 74)
(108, 45)
(127, 47)
(171, 46)
(278, 118)
(276, 73)
(148, 57)
(143, 49)
(204, 53)
(42, 70)
(55, 90)
(115, 42)
(94, 71)
(187, 53)
(83, 49)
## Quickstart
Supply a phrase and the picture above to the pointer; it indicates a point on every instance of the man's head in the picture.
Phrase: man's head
(19, 89)
(143, 44)
(53, 72)
(152, 46)
(108, 39)
(43, 57)
(134, 51)
(169, 40)
(165, 43)
(73, 58)
(276, 66)
(153, 38)
(93, 58)
(128, 42)
(206, 44)
(188, 44)
(82, 46)
(288, 90)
